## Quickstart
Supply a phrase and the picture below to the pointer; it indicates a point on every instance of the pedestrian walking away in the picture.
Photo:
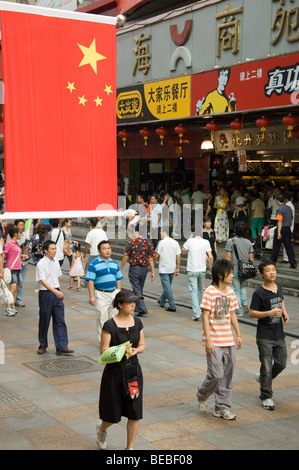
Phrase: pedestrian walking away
(198, 250)
(219, 305)
(283, 233)
(104, 282)
(140, 255)
(268, 306)
(115, 401)
(168, 253)
(239, 247)
(50, 299)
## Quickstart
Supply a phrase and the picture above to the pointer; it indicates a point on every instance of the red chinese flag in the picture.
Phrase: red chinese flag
(59, 74)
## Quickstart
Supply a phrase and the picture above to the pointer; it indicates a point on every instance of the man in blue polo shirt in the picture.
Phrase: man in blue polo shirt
(104, 282)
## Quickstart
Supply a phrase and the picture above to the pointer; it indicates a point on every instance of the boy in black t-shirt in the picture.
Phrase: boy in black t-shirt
(267, 305)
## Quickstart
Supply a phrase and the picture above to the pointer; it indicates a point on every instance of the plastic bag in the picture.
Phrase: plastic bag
(6, 297)
(113, 354)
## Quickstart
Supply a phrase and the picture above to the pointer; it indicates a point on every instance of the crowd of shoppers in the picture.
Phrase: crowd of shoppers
(118, 312)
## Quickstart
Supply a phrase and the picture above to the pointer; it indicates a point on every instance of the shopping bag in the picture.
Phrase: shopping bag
(113, 354)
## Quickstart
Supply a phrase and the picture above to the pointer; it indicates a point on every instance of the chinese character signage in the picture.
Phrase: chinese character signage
(275, 138)
(253, 85)
(166, 99)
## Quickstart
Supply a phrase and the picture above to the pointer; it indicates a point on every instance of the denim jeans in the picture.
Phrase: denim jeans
(273, 357)
(239, 287)
(196, 283)
(137, 277)
(167, 295)
(20, 288)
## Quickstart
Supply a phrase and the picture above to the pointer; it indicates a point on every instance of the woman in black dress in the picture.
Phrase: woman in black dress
(114, 403)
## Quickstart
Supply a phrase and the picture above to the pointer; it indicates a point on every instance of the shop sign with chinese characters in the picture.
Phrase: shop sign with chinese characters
(211, 34)
(166, 99)
(259, 84)
(273, 138)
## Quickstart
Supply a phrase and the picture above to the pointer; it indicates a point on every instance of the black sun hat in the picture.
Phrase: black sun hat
(125, 296)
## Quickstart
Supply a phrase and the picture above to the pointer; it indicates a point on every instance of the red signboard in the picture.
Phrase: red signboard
(260, 84)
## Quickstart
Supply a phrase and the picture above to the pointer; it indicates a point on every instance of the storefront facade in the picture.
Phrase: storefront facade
(214, 61)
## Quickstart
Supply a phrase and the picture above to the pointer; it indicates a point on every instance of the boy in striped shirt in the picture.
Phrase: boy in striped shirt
(219, 305)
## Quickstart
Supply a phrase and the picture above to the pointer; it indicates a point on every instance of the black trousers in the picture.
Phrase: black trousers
(286, 239)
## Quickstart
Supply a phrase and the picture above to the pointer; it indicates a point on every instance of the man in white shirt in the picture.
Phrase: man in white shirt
(155, 219)
(92, 240)
(198, 197)
(50, 300)
(57, 236)
(169, 255)
(199, 250)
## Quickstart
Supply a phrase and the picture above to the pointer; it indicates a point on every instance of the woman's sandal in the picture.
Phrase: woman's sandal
(78, 288)
(69, 288)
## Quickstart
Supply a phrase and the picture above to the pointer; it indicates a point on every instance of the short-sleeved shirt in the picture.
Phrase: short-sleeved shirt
(284, 214)
(104, 274)
(13, 255)
(221, 306)
(258, 206)
(244, 247)
(93, 238)
(139, 252)
(264, 300)
(168, 249)
(48, 270)
(197, 250)
(156, 209)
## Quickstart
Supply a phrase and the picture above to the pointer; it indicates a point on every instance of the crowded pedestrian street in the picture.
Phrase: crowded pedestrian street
(45, 398)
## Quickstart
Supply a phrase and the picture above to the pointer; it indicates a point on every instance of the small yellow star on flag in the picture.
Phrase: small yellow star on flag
(91, 56)
(108, 89)
(71, 86)
(82, 100)
(98, 101)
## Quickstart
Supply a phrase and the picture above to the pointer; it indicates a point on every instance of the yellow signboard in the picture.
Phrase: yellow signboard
(168, 98)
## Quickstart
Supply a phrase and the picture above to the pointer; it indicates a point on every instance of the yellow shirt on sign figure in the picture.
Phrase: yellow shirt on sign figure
(216, 101)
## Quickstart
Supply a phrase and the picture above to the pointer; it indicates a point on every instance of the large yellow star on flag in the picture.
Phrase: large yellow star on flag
(91, 56)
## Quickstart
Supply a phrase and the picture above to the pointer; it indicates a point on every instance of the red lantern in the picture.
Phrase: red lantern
(145, 134)
(161, 132)
(295, 132)
(290, 120)
(124, 135)
(212, 127)
(237, 126)
(180, 130)
(178, 142)
(263, 123)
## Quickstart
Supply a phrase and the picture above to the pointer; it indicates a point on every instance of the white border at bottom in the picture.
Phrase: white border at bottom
(58, 214)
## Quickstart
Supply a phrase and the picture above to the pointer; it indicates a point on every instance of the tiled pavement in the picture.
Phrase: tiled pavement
(50, 402)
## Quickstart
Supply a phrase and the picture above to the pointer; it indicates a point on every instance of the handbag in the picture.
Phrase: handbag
(246, 269)
(131, 387)
(7, 276)
(6, 297)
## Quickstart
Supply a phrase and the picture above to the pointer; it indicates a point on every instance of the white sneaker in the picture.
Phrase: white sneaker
(225, 414)
(9, 312)
(202, 405)
(101, 437)
(268, 404)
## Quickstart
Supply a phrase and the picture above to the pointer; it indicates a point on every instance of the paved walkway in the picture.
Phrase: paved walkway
(50, 402)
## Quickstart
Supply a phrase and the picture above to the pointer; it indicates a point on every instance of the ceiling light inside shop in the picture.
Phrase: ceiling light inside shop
(207, 145)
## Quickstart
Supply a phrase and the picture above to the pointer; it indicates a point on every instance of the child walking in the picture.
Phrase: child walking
(267, 305)
(76, 269)
(219, 305)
